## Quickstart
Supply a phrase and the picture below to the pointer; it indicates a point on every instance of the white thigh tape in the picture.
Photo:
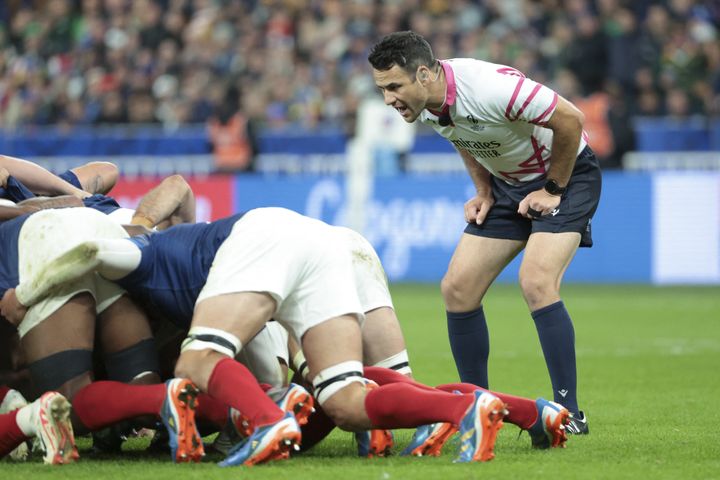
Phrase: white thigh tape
(202, 338)
(398, 362)
(331, 380)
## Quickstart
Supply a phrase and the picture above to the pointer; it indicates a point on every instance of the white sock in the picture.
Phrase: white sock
(26, 419)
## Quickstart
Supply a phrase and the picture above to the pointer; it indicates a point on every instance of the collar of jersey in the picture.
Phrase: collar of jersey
(450, 91)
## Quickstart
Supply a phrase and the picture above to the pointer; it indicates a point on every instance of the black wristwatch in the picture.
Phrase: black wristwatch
(552, 187)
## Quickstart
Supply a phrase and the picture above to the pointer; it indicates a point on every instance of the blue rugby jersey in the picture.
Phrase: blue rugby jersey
(174, 267)
(17, 192)
(101, 203)
(9, 234)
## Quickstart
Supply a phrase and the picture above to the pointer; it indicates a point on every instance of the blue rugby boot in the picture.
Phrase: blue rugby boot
(479, 428)
(178, 416)
(429, 440)
(549, 430)
(297, 401)
(267, 443)
(374, 443)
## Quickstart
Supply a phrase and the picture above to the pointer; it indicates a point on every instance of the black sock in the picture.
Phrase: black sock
(557, 338)
(470, 345)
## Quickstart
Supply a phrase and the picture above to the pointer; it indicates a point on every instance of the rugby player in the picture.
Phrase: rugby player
(237, 273)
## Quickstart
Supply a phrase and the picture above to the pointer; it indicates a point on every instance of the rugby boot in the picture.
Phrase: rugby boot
(374, 443)
(429, 440)
(479, 428)
(54, 430)
(297, 401)
(549, 430)
(178, 416)
(267, 443)
(577, 424)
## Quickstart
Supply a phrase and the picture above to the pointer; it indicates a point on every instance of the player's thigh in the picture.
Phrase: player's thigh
(547, 256)
(235, 318)
(122, 325)
(58, 349)
(72, 326)
(382, 336)
(332, 344)
(475, 264)
(241, 314)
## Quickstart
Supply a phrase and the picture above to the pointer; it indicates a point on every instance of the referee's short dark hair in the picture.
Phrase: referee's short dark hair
(407, 50)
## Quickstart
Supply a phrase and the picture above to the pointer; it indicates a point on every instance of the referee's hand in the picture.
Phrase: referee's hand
(477, 208)
(538, 203)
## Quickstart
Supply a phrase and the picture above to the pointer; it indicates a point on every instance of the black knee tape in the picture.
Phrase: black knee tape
(51, 372)
(125, 365)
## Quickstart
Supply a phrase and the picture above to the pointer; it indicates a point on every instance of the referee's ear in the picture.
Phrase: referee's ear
(423, 75)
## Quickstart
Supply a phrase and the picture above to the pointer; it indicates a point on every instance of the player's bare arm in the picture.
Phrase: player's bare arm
(171, 202)
(37, 179)
(476, 208)
(97, 177)
(4, 174)
(11, 308)
(567, 124)
(42, 203)
(32, 205)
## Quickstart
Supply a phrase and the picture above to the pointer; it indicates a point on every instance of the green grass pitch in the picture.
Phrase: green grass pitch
(649, 379)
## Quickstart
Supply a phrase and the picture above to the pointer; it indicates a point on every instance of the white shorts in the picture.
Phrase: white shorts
(48, 234)
(263, 353)
(303, 263)
(370, 278)
(122, 215)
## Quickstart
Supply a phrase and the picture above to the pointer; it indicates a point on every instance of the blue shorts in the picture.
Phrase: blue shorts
(573, 214)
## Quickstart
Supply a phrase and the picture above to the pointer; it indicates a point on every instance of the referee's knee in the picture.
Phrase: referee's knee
(537, 288)
(458, 296)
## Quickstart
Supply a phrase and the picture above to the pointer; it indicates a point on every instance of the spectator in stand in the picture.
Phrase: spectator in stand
(231, 136)
(69, 62)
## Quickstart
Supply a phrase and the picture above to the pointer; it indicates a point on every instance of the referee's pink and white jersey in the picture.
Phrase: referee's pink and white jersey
(498, 115)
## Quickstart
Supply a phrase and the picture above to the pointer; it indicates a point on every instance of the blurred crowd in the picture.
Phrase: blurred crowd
(298, 63)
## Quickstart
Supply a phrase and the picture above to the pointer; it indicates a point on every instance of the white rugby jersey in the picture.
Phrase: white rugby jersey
(498, 116)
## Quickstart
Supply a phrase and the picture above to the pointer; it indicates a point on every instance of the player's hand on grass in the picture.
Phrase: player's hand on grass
(11, 308)
(538, 203)
(476, 208)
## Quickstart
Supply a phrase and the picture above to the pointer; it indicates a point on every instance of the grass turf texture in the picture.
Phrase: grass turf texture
(648, 363)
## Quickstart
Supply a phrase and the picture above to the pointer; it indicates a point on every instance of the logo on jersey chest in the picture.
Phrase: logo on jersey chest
(474, 124)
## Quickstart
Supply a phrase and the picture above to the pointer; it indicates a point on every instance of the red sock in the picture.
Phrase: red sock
(523, 411)
(401, 405)
(105, 403)
(10, 434)
(4, 389)
(212, 410)
(233, 384)
(384, 376)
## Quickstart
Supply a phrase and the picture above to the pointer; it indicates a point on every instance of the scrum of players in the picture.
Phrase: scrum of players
(124, 320)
